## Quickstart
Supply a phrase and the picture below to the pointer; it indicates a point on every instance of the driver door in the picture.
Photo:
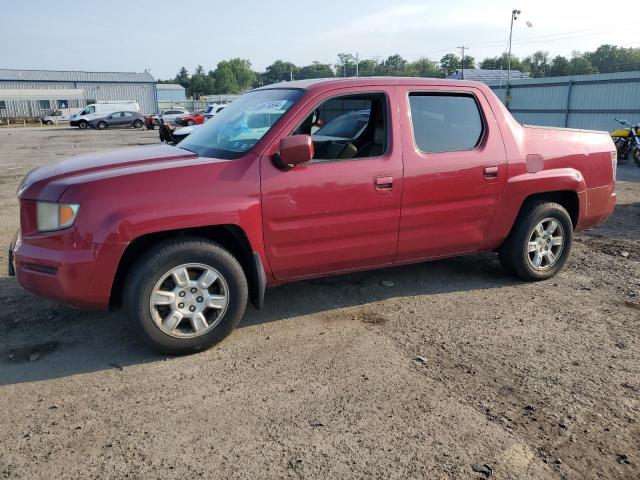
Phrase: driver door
(336, 214)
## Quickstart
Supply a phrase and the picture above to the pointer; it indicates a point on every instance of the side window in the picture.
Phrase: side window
(445, 122)
(348, 127)
(89, 110)
(44, 104)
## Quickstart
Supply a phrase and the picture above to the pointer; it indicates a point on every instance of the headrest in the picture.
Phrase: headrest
(380, 135)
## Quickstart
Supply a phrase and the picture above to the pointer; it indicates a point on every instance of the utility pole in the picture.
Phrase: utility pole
(291, 73)
(462, 49)
(514, 16)
(357, 62)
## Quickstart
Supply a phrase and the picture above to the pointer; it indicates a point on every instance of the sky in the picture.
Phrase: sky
(162, 36)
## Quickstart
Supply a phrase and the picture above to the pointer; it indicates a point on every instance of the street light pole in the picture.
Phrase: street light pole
(514, 16)
(462, 49)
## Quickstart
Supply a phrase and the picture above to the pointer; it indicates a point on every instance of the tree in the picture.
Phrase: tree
(559, 66)
(469, 62)
(346, 66)
(315, 70)
(367, 68)
(501, 63)
(423, 67)
(279, 71)
(537, 64)
(450, 63)
(394, 65)
(580, 65)
(182, 77)
(609, 58)
(233, 76)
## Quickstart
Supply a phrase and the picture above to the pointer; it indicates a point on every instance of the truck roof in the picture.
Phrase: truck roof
(314, 83)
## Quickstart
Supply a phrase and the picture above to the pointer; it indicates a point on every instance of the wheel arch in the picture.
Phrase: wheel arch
(231, 237)
(566, 198)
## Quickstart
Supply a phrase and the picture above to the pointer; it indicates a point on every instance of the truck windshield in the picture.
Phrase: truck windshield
(242, 124)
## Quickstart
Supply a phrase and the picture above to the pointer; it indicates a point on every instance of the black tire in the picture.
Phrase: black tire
(102, 125)
(189, 123)
(151, 127)
(137, 124)
(161, 259)
(49, 122)
(636, 156)
(514, 254)
(83, 125)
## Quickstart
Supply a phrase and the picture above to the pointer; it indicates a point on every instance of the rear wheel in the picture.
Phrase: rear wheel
(137, 124)
(636, 156)
(539, 244)
(185, 295)
(102, 125)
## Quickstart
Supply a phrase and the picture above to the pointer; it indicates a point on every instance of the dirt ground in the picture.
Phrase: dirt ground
(533, 380)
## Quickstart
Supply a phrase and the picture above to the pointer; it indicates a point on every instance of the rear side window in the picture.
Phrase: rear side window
(445, 122)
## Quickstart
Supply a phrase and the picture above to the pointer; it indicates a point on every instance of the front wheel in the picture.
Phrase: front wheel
(539, 243)
(102, 125)
(189, 123)
(83, 125)
(185, 295)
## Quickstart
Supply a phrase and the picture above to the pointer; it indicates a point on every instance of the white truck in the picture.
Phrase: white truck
(61, 115)
(100, 109)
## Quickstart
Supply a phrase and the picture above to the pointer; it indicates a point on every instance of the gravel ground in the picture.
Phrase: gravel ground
(454, 371)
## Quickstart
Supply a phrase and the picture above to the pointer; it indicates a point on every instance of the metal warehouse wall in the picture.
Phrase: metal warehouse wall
(579, 101)
(143, 93)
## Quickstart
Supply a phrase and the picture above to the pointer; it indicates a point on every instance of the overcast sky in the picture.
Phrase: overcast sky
(161, 35)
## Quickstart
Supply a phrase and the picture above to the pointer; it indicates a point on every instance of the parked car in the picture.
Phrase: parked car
(101, 109)
(212, 110)
(118, 119)
(183, 236)
(172, 114)
(196, 118)
(61, 115)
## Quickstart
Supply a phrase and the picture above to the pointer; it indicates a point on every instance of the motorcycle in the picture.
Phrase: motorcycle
(627, 140)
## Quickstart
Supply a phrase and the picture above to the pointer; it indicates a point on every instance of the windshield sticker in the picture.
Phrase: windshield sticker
(275, 105)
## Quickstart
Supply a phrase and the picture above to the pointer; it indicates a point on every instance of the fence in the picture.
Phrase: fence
(579, 101)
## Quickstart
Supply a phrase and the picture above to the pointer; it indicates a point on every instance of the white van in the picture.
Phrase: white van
(102, 109)
(61, 115)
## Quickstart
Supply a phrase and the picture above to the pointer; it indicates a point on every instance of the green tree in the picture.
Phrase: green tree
(233, 76)
(315, 70)
(580, 65)
(225, 81)
(501, 62)
(537, 64)
(559, 66)
(394, 65)
(346, 65)
(423, 67)
(279, 71)
(182, 77)
(367, 68)
(450, 63)
(469, 62)
(609, 58)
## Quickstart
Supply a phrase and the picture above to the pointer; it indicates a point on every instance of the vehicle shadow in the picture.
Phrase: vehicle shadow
(42, 340)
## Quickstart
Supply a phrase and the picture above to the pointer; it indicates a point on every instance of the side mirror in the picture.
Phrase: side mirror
(296, 149)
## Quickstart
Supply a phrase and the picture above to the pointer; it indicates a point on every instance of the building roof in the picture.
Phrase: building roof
(169, 86)
(73, 76)
(483, 75)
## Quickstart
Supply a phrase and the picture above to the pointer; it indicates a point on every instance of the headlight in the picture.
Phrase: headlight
(55, 216)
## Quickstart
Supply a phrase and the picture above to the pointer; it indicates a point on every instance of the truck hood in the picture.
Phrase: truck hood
(43, 183)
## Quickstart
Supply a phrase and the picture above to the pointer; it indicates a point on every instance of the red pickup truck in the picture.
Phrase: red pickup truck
(300, 180)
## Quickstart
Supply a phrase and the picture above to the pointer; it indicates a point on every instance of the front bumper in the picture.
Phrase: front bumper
(73, 123)
(74, 276)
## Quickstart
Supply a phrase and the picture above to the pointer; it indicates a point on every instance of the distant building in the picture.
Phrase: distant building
(170, 92)
(482, 75)
(34, 93)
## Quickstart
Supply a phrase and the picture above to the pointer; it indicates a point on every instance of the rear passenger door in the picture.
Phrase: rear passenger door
(454, 172)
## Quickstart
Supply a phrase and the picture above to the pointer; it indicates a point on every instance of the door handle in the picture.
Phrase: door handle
(383, 183)
(491, 172)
